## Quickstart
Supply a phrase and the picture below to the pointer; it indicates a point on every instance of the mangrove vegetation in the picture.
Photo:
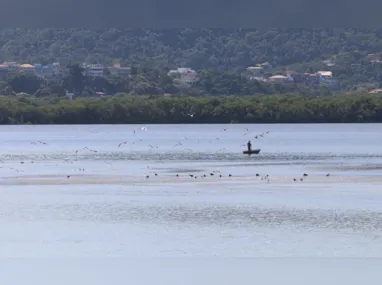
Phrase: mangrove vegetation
(133, 109)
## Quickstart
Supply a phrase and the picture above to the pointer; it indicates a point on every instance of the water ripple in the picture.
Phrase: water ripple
(207, 215)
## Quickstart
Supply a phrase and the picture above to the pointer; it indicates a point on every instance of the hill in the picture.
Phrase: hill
(221, 49)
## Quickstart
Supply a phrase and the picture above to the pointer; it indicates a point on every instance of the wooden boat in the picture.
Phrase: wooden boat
(253, 151)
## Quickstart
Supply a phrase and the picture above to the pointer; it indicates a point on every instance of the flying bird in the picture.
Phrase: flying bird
(38, 142)
(189, 114)
(122, 143)
(85, 148)
(178, 144)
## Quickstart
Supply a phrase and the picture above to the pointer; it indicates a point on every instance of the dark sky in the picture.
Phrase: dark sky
(192, 14)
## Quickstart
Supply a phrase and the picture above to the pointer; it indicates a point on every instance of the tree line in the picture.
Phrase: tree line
(129, 109)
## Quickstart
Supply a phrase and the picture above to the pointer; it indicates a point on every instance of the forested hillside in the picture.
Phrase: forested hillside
(221, 49)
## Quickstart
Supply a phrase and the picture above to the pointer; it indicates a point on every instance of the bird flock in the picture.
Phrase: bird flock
(178, 144)
(215, 173)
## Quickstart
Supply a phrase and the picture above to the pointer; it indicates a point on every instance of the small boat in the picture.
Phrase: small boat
(253, 151)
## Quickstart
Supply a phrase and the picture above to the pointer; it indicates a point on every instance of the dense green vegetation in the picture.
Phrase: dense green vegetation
(224, 93)
(197, 48)
(222, 50)
(152, 109)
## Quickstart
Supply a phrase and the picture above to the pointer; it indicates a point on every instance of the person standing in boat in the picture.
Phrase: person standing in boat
(249, 145)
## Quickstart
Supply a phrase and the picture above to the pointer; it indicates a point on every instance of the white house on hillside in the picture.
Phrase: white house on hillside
(119, 70)
(184, 75)
(326, 78)
(325, 75)
(93, 70)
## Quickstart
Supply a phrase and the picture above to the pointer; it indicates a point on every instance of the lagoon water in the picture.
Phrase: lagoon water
(108, 208)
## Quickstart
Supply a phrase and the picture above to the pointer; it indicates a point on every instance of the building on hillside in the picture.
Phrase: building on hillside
(57, 68)
(265, 65)
(38, 67)
(326, 79)
(4, 71)
(376, 91)
(69, 95)
(329, 62)
(184, 75)
(26, 67)
(322, 75)
(255, 69)
(255, 73)
(12, 66)
(93, 70)
(50, 71)
(295, 76)
(278, 78)
(311, 79)
(258, 78)
(120, 71)
(377, 60)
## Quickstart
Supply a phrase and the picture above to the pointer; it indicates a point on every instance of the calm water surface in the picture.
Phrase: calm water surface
(224, 219)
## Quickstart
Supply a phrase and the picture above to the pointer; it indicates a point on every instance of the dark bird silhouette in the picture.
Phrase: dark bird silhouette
(150, 146)
(18, 170)
(86, 148)
(178, 144)
(122, 143)
(38, 142)
(305, 175)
